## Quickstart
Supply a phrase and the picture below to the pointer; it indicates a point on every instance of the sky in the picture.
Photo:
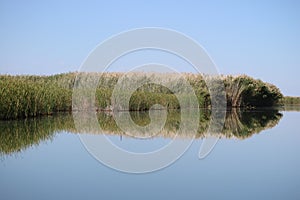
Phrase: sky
(257, 38)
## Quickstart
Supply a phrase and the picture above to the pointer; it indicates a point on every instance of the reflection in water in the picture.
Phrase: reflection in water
(17, 135)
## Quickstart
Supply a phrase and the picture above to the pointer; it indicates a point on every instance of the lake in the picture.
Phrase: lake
(256, 157)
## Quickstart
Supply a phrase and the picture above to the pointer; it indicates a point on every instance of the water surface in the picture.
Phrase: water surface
(255, 158)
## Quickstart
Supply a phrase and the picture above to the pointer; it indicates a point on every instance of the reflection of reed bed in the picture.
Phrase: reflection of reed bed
(243, 124)
(107, 125)
(170, 129)
(291, 107)
(16, 135)
(238, 124)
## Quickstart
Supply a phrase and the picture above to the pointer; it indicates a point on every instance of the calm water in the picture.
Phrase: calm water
(257, 157)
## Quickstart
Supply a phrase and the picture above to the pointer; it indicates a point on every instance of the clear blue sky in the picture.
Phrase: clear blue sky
(257, 38)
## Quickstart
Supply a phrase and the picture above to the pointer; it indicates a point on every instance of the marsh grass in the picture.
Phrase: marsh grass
(29, 96)
(288, 100)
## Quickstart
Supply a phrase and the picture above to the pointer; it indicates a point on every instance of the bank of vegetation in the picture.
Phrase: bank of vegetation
(288, 100)
(29, 96)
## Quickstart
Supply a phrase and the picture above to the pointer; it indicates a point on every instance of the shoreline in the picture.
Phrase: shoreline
(31, 96)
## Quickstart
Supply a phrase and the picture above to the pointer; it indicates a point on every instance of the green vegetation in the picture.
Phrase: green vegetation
(244, 91)
(287, 100)
(17, 135)
(28, 96)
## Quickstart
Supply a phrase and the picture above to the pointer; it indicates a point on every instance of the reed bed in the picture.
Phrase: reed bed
(29, 96)
(288, 100)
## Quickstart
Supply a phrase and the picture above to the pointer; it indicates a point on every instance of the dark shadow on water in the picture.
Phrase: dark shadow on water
(17, 135)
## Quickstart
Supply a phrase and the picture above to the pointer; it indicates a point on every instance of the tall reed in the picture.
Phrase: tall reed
(28, 96)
